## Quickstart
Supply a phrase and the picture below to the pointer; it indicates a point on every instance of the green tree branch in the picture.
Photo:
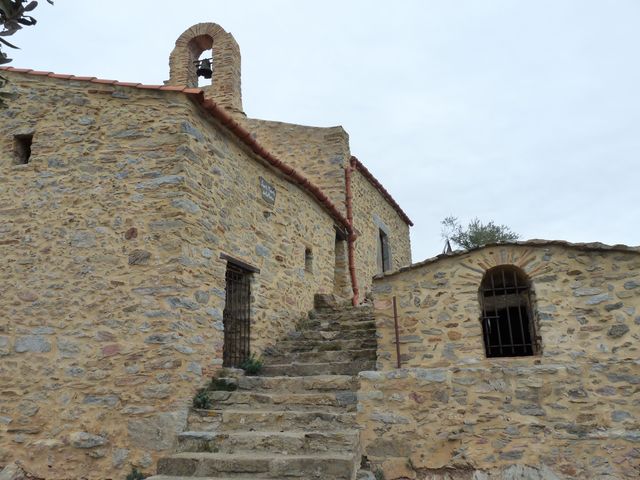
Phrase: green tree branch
(13, 16)
(476, 233)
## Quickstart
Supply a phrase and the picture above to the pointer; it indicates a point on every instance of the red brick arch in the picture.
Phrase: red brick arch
(225, 87)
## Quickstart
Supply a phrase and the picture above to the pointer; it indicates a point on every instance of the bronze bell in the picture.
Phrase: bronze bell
(204, 68)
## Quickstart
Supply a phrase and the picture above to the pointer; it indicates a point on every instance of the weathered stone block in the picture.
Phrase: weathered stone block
(431, 375)
(158, 432)
(139, 257)
(83, 240)
(32, 344)
(617, 331)
(86, 440)
(155, 183)
(4, 346)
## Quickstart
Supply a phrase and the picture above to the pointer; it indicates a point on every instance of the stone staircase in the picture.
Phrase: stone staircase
(294, 421)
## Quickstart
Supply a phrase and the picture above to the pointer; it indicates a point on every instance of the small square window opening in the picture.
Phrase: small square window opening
(22, 149)
(308, 260)
(384, 255)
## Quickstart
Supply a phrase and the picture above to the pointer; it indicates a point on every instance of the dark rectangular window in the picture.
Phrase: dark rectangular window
(22, 149)
(384, 257)
(308, 260)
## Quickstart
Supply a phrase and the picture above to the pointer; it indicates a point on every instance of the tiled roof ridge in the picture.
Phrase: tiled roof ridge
(102, 81)
(358, 165)
(226, 120)
(535, 242)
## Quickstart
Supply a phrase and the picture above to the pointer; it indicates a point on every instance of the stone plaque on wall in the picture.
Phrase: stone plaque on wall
(268, 191)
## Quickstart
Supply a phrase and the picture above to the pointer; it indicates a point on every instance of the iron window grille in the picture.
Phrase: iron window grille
(507, 320)
(237, 316)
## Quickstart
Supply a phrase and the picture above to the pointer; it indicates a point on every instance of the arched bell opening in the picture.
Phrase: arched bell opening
(201, 60)
(206, 56)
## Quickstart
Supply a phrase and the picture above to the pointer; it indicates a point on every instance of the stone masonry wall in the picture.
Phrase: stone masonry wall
(572, 410)
(320, 153)
(113, 286)
(92, 343)
(227, 214)
(371, 212)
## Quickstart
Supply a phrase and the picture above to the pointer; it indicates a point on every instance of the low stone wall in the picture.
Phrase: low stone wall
(574, 407)
(585, 303)
(577, 420)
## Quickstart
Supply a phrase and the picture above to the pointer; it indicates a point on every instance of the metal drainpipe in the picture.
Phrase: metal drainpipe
(352, 236)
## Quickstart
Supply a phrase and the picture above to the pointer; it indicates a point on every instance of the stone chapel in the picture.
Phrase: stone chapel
(154, 237)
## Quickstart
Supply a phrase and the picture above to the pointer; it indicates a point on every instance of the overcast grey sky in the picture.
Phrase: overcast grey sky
(524, 112)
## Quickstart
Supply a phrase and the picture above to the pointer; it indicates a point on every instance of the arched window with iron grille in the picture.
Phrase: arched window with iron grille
(507, 320)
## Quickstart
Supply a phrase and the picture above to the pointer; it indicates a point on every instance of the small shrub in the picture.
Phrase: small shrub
(201, 400)
(379, 475)
(136, 475)
(252, 365)
(222, 384)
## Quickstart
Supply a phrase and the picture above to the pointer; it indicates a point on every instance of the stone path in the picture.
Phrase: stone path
(294, 421)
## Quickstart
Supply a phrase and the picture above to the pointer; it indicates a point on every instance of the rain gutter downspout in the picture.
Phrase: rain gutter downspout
(352, 236)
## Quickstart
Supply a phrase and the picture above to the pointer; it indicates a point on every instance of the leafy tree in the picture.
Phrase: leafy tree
(476, 233)
(13, 16)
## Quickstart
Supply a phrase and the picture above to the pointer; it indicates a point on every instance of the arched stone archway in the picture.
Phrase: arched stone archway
(225, 88)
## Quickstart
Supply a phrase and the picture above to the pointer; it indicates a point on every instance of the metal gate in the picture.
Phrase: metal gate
(236, 316)
(506, 313)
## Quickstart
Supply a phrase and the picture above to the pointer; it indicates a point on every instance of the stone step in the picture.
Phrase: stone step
(352, 367)
(338, 317)
(333, 466)
(286, 443)
(286, 346)
(339, 401)
(322, 357)
(339, 325)
(342, 311)
(226, 476)
(332, 334)
(303, 384)
(244, 420)
(204, 420)
(190, 477)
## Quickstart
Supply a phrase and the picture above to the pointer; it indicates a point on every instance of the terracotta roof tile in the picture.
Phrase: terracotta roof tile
(585, 247)
(193, 90)
(60, 75)
(101, 80)
(142, 86)
(172, 88)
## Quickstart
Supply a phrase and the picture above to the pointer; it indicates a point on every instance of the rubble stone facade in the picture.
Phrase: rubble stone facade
(121, 207)
(571, 409)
